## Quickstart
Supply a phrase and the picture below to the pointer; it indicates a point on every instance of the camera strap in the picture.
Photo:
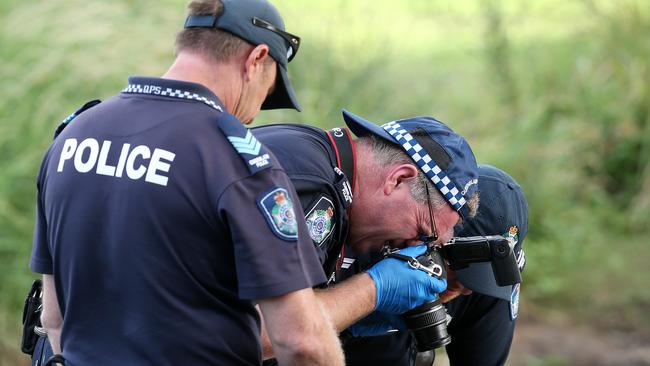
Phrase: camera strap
(435, 269)
(341, 142)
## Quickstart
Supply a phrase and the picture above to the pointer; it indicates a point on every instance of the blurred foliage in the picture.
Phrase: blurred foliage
(555, 92)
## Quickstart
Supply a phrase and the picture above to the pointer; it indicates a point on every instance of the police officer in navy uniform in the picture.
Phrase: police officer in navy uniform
(390, 202)
(162, 221)
(483, 313)
(484, 320)
(483, 324)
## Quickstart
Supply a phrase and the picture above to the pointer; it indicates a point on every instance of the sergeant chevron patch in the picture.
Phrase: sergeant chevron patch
(246, 145)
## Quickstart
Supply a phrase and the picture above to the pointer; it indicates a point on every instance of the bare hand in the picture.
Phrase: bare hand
(454, 287)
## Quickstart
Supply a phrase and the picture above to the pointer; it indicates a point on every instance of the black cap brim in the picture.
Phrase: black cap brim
(283, 96)
(503, 204)
(362, 127)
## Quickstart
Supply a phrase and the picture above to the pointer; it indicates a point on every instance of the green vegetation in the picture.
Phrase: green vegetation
(556, 92)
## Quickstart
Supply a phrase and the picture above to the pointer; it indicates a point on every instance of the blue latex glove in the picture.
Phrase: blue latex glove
(377, 323)
(401, 288)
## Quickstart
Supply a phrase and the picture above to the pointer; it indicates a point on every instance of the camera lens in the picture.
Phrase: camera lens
(428, 324)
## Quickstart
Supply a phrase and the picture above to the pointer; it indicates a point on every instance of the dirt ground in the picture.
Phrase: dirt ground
(556, 342)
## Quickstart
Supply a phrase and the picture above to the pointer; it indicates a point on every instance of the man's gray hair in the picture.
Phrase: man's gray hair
(386, 154)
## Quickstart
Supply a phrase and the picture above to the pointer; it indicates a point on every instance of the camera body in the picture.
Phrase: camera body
(428, 322)
(496, 249)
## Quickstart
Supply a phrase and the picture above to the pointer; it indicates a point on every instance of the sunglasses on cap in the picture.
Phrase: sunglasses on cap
(293, 40)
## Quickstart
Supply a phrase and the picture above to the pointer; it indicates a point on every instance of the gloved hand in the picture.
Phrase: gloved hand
(377, 323)
(401, 288)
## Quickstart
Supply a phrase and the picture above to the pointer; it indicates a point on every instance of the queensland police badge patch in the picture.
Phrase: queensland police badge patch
(512, 235)
(320, 224)
(278, 210)
(320, 220)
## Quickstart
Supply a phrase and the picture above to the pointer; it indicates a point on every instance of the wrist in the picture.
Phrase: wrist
(370, 284)
(374, 280)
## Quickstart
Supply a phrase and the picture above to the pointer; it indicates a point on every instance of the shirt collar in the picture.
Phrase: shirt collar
(173, 89)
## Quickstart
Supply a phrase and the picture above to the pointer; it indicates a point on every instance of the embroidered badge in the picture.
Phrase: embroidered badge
(319, 220)
(512, 235)
(320, 224)
(278, 211)
(514, 302)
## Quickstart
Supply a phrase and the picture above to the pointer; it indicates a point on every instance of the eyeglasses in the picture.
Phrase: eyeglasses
(428, 239)
(293, 40)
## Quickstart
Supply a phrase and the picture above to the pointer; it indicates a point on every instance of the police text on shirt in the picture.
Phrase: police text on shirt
(88, 155)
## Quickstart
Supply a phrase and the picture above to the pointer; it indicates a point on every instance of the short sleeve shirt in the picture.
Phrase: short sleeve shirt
(310, 162)
(161, 219)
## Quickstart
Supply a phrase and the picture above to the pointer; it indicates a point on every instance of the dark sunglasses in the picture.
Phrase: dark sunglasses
(429, 239)
(293, 40)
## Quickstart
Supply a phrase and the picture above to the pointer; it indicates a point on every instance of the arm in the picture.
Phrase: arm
(299, 331)
(348, 301)
(391, 286)
(343, 304)
(51, 316)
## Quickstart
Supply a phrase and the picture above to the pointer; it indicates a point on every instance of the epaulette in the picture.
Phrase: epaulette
(74, 115)
(254, 154)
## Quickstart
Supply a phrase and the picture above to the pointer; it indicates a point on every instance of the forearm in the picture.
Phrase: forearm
(343, 304)
(299, 331)
(51, 315)
(348, 301)
(267, 347)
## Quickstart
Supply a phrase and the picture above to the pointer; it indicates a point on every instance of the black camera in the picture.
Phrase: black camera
(428, 322)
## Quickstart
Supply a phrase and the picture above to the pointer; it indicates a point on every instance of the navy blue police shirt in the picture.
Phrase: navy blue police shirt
(161, 218)
(310, 162)
(482, 326)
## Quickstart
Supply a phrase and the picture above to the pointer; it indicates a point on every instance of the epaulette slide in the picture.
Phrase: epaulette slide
(74, 115)
(254, 154)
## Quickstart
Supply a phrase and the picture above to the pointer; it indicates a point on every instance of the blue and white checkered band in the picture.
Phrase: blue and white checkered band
(428, 166)
(169, 92)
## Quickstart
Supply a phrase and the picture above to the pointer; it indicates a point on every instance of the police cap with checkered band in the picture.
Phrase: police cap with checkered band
(503, 211)
(443, 156)
(258, 22)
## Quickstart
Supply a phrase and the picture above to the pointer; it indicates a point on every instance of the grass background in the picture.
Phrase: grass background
(557, 92)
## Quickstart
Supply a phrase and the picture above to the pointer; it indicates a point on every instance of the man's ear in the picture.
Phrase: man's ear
(398, 176)
(255, 61)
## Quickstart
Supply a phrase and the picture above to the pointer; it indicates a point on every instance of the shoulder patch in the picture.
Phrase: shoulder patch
(514, 302)
(512, 235)
(277, 209)
(513, 238)
(74, 115)
(320, 220)
(254, 154)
